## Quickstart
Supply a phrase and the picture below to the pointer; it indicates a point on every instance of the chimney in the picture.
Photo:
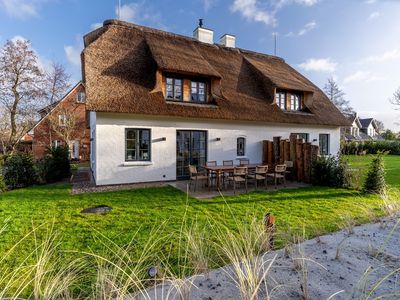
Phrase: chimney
(203, 34)
(228, 40)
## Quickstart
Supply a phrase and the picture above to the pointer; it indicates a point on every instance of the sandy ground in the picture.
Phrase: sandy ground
(365, 258)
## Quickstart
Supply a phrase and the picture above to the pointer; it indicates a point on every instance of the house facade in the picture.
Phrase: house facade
(63, 122)
(159, 102)
(360, 129)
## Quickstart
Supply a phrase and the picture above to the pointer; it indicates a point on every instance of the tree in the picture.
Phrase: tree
(21, 85)
(63, 123)
(396, 99)
(336, 95)
(380, 127)
(389, 135)
(57, 83)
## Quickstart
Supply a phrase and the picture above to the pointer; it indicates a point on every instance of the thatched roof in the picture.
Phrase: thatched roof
(120, 61)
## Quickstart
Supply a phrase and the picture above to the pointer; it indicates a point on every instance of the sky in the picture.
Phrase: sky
(357, 42)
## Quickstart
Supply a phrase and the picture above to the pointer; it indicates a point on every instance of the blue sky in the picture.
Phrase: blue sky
(355, 41)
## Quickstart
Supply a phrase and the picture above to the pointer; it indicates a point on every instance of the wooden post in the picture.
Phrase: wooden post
(277, 142)
(307, 162)
(299, 159)
(287, 151)
(292, 152)
(270, 153)
(281, 151)
(265, 152)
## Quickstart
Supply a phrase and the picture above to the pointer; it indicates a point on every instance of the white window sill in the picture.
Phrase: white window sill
(137, 163)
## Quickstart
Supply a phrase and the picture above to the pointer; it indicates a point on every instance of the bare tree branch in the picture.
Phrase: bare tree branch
(336, 95)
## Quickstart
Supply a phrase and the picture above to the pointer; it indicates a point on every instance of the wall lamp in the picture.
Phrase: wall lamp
(218, 139)
(314, 140)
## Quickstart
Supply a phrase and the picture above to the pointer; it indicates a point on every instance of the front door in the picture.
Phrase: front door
(191, 149)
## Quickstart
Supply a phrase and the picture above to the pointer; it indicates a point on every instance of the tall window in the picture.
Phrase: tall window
(81, 97)
(295, 102)
(324, 144)
(137, 144)
(197, 91)
(62, 120)
(241, 146)
(281, 100)
(174, 89)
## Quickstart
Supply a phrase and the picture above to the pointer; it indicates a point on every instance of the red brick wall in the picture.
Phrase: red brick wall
(43, 135)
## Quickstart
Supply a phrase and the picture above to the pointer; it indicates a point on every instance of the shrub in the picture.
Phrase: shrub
(2, 184)
(54, 166)
(371, 147)
(19, 171)
(330, 171)
(375, 180)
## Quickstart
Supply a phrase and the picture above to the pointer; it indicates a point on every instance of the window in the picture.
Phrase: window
(295, 102)
(241, 146)
(281, 100)
(56, 144)
(62, 120)
(198, 91)
(304, 136)
(324, 144)
(81, 97)
(137, 144)
(174, 89)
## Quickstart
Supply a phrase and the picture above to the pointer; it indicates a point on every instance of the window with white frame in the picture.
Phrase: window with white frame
(173, 89)
(62, 120)
(81, 97)
(197, 91)
(295, 102)
(281, 99)
(241, 146)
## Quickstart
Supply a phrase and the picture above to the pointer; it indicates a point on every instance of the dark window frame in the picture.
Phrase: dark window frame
(327, 136)
(197, 82)
(279, 100)
(174, 78)
(137, 144)
(241, 140)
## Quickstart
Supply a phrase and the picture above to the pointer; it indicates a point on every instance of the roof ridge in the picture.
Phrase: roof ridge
(181, 36)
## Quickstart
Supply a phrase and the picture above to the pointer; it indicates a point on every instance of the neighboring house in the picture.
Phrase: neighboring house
(159, 102)
(63, 122)
(360, 129)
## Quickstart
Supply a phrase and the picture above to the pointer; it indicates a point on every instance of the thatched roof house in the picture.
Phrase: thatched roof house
(134, 72)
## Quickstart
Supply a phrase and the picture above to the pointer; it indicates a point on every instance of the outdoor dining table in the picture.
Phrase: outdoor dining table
(227, 169)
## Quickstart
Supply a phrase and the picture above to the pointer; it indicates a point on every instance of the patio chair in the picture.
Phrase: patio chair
(227, 174)
(212, 174)
(244, 161)
(259, 174)
(196, 176)
(280, 173)
(239, 176)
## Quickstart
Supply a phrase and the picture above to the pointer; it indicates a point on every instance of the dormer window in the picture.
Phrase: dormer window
(295, 102)
(281, 100)
(198, 91)
(81, 97)
(174, 89)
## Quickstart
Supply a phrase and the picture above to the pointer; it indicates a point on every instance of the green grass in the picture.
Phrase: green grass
(316, 210)
(392, 167)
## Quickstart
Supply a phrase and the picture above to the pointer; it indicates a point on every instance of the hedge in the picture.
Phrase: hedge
(371, 147)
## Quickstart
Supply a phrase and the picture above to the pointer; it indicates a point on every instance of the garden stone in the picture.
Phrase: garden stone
(97, 210)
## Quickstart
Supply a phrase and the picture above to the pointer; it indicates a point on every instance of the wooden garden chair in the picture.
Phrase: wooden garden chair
(279, 174)
(259, 174)
(196, 176)
(239, 176)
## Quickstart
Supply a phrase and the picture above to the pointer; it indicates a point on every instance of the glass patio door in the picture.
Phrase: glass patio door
(191, 149)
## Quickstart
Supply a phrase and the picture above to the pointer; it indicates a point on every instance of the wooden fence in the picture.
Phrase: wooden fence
(296, 150)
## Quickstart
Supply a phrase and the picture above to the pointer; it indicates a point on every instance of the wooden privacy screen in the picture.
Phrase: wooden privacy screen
(295, 149)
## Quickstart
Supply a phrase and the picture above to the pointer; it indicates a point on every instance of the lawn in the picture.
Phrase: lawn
(392, 166)
(313, 210)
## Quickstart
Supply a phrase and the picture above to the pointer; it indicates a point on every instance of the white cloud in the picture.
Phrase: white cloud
(73, 54)
(306, 28)
(94, 26)
(21, 8)
(128, 12)
(307, 2)
(319, 65)
(207, 4)
(362, 76)
(386, 56)
(370, 1)
(140, 12)
(374, 15)
(253, 12)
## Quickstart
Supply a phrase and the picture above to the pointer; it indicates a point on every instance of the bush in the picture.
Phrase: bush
(19, 171)
(371, 147)
(330, 171)
(3, 187)
(375, 180)
(54, 166)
